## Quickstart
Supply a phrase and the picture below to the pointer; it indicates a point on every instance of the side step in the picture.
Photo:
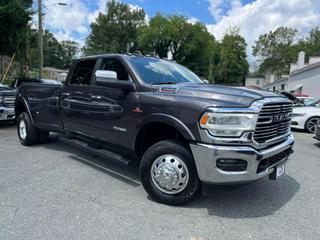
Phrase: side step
(96, 151)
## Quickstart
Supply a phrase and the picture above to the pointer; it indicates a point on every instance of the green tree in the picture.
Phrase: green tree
(113, 31)
(56, 54)
(14, 17)
(233, 66)
(312, 43)
(69, 52)
(189, 44)
(154, 38)
(275, 50)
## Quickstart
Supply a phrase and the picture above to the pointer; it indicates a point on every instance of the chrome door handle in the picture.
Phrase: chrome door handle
(96, 97)
(66, 94)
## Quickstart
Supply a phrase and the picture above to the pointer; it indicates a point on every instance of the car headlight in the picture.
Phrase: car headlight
(228, 124)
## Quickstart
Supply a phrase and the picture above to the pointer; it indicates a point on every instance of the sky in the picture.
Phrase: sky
(254, 17)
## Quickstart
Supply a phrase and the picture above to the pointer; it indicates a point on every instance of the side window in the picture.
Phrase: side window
(83, 72)
(116, 66)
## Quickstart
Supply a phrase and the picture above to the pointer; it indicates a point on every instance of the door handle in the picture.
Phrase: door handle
(96, 97)
(65, 94)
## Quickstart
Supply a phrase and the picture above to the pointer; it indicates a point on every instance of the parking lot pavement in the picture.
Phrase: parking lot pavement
(53, 191)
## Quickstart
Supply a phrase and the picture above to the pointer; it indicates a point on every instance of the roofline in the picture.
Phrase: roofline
(309, 67)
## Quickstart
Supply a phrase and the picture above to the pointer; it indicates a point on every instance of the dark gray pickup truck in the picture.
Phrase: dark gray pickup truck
(180, 130)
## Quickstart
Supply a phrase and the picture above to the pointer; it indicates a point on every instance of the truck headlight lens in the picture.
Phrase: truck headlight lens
(228, 124)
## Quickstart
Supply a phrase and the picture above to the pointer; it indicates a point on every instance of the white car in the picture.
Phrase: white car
(305, 118)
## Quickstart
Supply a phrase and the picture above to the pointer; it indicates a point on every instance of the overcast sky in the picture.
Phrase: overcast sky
(254, 17)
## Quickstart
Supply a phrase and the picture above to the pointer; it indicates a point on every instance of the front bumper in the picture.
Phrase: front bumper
(298, 122)
(206, 156)
(6, 114)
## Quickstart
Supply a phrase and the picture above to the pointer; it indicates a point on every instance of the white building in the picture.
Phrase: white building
(55, 73)
(304, 77)
(258, 82)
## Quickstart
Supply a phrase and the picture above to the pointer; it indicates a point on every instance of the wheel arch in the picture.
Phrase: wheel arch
(21, 106)
(159, 127)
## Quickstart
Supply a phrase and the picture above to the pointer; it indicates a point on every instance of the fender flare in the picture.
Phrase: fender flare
(169, 120)
(20, 99)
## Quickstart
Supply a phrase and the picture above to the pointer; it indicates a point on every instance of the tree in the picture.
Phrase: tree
(233, 65)
(189, 44)
(312, 43)
(56, 54)
(14, 17)
(113, 31)
(69, 51)
(275, 50)
(155, 38)
(196, 50)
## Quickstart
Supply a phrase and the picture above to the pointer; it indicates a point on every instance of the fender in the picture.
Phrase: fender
(21, 99)
(169, 120)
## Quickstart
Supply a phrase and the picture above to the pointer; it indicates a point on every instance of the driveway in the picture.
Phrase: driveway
(53, 191)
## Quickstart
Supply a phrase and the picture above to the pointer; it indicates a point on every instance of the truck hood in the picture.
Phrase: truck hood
(231, 96)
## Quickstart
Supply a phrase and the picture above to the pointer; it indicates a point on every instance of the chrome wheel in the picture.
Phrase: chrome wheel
(312, 123)
(22, 129)
(169, 174)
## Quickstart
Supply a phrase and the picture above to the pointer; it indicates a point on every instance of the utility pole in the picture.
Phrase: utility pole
(40, 38)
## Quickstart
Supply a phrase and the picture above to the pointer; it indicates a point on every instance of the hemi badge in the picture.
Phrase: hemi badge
(168, 90)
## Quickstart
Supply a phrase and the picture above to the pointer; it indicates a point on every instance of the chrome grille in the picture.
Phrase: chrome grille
(8, 101)
(273, 122)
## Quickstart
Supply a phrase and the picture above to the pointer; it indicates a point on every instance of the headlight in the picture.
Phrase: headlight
(228, 124)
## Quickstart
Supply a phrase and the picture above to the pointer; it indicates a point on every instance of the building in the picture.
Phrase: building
(55, 73)
(304, 77)
(257, 82)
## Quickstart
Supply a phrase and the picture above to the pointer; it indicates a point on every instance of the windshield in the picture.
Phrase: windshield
(310, 101)
(159, 71)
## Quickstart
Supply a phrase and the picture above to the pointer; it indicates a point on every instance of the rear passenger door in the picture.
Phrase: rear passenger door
(75, 98)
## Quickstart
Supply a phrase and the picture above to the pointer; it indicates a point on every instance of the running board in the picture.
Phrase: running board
(95, 151)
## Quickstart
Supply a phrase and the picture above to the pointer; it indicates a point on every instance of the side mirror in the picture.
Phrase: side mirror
(110, 79)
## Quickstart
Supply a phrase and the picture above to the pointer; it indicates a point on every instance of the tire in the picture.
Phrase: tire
(27, 133)
(159, 160)
(311, 124)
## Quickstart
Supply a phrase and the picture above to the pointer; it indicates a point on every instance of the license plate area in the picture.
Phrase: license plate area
(278, 171)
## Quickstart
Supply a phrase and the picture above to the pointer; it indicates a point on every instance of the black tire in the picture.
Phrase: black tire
(175, 148)
(313, 121)
(43, 136)
(31, 131)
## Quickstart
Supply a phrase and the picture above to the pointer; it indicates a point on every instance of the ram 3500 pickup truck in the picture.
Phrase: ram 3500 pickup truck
(155, 112)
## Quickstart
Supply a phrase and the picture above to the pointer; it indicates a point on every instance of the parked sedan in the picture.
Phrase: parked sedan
(306, 118)
(317, 132)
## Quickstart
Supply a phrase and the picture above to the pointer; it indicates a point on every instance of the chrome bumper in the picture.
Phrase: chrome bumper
(6, 113)
(206, 156)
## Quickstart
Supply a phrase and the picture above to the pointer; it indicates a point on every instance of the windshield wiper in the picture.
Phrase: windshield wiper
(160, 83)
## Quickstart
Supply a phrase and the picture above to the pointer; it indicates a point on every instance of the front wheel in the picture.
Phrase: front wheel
(168, 173)
(311, 124)
(27, 133)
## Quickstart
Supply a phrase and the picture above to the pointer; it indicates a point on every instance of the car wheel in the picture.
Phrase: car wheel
(311, 124)
(27, 133)
(168, 173)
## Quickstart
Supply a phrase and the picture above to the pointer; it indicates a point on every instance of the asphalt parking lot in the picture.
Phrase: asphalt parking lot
(53, 191)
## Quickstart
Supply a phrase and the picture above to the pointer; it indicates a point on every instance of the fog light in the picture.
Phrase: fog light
(231, 165)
